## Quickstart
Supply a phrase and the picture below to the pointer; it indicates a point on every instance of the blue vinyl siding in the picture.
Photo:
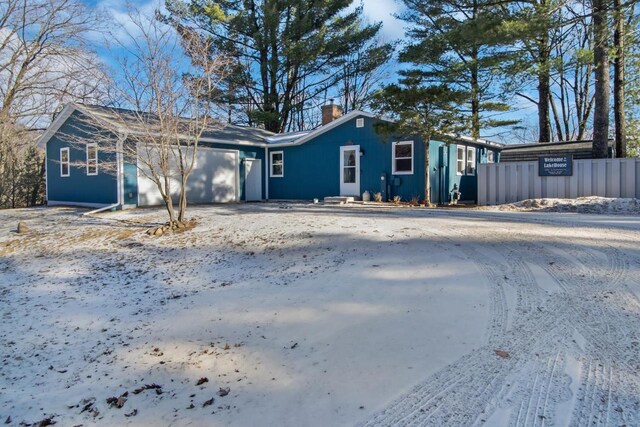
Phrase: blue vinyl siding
(79, 187)
(312, 169)
(444, 160)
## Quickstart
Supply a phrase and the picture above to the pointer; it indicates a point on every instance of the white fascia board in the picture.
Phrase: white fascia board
(57, 123)
(233, 142)
(463, 138)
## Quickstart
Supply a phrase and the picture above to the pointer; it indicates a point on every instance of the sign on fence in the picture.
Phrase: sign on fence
(555, 165)
(511, 182)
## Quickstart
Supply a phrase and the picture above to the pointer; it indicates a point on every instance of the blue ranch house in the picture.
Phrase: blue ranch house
(343, 157)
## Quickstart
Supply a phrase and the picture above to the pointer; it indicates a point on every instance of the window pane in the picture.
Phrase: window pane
(403, 150)
(92, 152)
(403, 165)
(276, 157)
(276, 169)
(349, 175)
(471, 161)
(490, 158)
(65, 169)
(461, 153)
(471, 155)
(350, 158)
(64, 156)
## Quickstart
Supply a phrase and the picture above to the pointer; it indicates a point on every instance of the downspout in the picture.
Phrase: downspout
(46, 174)
(266, 173)
(119, 179)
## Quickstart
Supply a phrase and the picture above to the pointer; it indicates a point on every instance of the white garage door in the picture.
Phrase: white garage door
(215, 179)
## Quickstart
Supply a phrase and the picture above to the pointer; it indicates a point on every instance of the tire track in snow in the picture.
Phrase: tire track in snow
(432, 404)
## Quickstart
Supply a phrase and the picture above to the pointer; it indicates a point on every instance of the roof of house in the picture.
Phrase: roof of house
(130, 121)
(531, 151)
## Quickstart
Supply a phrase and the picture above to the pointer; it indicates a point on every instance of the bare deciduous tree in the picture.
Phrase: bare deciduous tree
(169, 84)
(44, 62)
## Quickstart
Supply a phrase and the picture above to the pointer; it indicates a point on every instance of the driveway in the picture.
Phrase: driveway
(321, 315)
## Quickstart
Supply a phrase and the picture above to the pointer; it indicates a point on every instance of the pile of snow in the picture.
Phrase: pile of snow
(591, 205)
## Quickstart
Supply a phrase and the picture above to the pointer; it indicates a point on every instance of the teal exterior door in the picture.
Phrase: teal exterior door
(130, 196)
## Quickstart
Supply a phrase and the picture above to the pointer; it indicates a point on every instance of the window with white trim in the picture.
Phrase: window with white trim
(465, 160)
(64, 161)
(471, 161)
(360, 123)
(460, 161)
(92, 159)
(277, 164)
(402, 158)
(491, 157)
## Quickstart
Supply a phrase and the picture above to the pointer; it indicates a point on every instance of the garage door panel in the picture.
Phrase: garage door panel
(214, 179)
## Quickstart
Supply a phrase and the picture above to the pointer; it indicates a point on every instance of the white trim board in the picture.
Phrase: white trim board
(394, 158)
(67, 163)
(271, 174)
(87, 146)
(57, 123)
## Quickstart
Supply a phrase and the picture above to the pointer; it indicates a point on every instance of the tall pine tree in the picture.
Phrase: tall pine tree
(457, 43)
(287, 53)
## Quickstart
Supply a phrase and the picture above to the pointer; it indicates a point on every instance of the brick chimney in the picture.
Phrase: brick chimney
(330, 112)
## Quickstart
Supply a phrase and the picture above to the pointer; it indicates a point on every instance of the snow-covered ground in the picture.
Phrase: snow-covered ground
(321, 316)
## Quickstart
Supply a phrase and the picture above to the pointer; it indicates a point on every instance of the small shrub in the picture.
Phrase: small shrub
(377, 197)
(415, 201)
(397, 200)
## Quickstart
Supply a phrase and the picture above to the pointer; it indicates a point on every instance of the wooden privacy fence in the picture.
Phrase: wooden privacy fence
(500, 183)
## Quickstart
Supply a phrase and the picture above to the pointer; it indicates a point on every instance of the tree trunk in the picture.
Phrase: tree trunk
(618, 81)
(556, 119)
(168, 202)
(427, 179)
(182, 206)
(544, 92)
(602, 90)
(475, 86)
(475, 102)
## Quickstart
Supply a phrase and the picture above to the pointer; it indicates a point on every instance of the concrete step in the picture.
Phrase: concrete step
(339, 199)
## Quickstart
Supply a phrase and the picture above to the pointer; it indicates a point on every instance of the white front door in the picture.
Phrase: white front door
(350, 170)
(252, 180)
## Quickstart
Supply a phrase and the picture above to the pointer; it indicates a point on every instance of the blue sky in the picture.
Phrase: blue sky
(376, 10)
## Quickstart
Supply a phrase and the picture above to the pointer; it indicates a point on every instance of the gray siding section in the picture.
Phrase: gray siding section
(512, 182)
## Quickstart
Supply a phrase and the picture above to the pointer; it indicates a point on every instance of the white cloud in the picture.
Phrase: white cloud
(383, 10)
(122, 30)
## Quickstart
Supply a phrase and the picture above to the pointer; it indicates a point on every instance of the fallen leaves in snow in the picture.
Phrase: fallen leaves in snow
(502, 353)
